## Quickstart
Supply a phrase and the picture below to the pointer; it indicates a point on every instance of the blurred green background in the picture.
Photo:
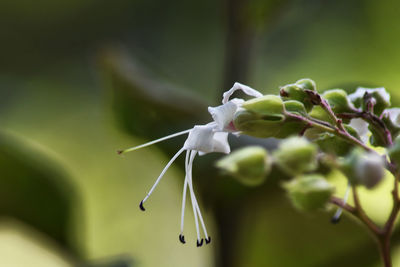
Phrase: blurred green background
(81, 79)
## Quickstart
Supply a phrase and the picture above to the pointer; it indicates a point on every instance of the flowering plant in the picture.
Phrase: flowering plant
(321, 132)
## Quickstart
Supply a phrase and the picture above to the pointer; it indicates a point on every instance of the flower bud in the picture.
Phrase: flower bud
(378, 97)
(249, 165)
(332, 144)
(309, 192)
(296, 155)
(363, 168)
(338, 100)
(307, 84)
(297, 92)
(294, 106)
(319, 113)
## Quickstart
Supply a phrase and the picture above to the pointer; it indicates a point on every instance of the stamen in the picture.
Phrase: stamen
(141, 206)
(199, 243)
(185, 185)
(182, 239)
(153, 142)
(208, 240)
(198, 209)
(189, 177)
(336, 218)
(161, 176)
(194, 200)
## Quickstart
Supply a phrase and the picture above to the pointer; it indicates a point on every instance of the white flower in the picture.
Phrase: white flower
(362, 128)
(360, 92)
(394, 115)
(202, 139)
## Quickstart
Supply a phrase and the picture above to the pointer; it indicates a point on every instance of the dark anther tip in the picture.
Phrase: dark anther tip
(208, 240)
(199, 243)
(182, 239)
(335, 220)
(141, 206)
(119, 152)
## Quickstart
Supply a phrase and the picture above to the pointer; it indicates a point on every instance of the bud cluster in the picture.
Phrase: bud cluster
(344, 128)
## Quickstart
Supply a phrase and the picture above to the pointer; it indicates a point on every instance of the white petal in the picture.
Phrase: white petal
(359, 93)
(394, 115)
(204, 139)
(361, 127)
(223, 115)
(221, 143)
(238, 86)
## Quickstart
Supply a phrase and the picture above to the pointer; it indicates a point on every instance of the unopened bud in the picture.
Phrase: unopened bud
(309, 192)
(260, 117)
(338, 100)
(307, 84)
(332, 144)
(363, 168)
(297, 92)
(249, 165)
(296, 155)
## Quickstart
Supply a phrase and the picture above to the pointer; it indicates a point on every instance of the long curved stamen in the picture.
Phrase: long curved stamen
(185, 185)
(189, 177)
(159, 177)
(153, 142)
(198, 211)
(336, 218)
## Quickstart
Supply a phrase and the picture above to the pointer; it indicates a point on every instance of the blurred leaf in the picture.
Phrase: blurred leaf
(34, 188)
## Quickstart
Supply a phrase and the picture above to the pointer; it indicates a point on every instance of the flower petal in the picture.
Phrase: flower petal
(394, 115)
(238, 86)
(359, 93)
(204, 139)
(223, 115)
(361, 127)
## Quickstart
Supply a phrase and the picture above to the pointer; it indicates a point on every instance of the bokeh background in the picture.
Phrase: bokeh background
(81, 79)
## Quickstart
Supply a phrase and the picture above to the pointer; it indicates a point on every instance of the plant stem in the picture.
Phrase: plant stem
(382, 235)
(334, 130)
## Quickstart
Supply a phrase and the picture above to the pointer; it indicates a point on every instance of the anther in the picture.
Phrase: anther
(182, 239)
(208, 240)
(141, 206)
(199, 243)
(335, 220)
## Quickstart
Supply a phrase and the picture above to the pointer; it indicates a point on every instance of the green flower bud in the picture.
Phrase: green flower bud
(363, 168)
(264, 117)
(294, 106)
(332, 144)
(309, 192)
(319, 113)
(297, 92)
(307, 84)
(266, 106)
(249, 165)
(338, 100)
(394, 151)
(296, 155)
